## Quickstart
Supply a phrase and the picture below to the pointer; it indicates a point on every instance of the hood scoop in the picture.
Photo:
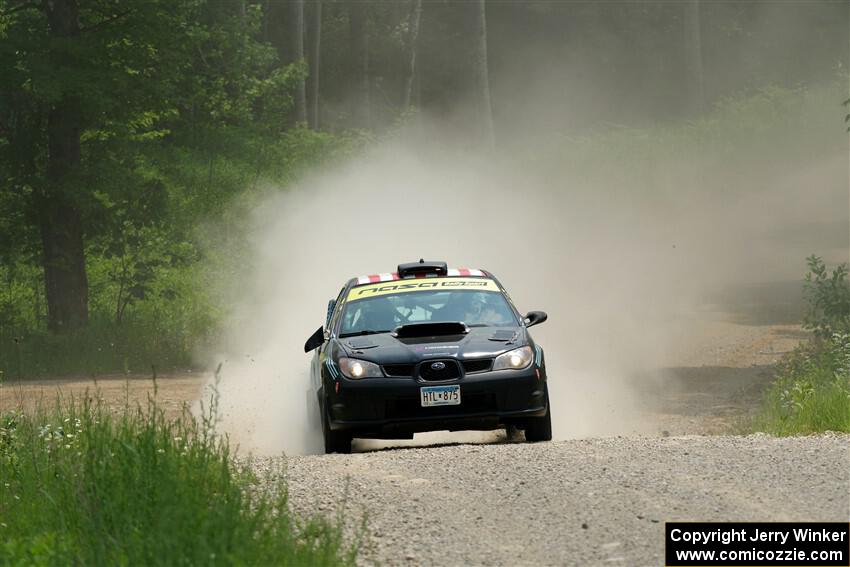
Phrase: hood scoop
(362, 344)
(504, 336)
(420, 330)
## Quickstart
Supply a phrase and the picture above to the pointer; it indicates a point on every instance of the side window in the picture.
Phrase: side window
(331, 305)
(353, 318)
(338, 306)
(511, 302)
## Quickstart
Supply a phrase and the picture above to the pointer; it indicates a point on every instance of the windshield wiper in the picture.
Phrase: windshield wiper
(361, 333)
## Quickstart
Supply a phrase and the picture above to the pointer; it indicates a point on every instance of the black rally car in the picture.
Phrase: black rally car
(427, 348)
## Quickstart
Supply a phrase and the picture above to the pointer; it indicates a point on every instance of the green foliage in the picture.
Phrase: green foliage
(828, 299)
(811, 393)
(155, 256)
(772, 127)
(145, 78)
(146, 309)
(79, 486)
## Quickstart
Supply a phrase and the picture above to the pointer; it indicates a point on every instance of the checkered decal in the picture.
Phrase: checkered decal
(388, 277)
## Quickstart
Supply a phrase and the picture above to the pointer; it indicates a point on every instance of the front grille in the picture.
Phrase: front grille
(470, 366)
(400, 370)
(449, 371)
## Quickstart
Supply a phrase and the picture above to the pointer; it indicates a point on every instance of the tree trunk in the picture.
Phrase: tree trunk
(485, 108)
(267, 14)
(60, 221)
(314, 59)
(296, 30)
(693, 54)
(413, 37)
(361, 111)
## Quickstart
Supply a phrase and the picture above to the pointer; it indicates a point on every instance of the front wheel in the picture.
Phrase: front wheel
(540, 428)
(335, 441)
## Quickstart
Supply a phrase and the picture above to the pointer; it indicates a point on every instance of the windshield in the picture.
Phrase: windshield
(386, 312)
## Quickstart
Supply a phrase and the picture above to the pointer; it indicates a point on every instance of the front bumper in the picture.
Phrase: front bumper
(391, 407)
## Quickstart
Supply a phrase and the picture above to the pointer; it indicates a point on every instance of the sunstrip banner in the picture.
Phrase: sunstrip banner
(388, 277)
(422, 284)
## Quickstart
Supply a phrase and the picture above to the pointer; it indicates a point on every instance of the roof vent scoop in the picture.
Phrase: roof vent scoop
(419, 330)
(422, 267)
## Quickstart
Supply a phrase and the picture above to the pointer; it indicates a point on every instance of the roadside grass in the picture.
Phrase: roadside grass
(82, 485)
(811, 393)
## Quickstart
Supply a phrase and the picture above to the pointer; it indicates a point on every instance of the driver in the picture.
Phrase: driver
(380, 315)
(472, 311)
(480, 312)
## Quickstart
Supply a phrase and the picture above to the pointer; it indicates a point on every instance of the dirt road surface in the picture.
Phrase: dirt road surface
(580, 502)
(597, 501)
(118, 391)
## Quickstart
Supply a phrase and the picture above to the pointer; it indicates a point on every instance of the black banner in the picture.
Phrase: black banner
(757, 544)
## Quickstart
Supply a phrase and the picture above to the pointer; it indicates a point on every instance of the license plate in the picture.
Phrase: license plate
(440, 396)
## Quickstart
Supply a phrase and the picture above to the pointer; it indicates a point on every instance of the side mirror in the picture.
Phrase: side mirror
(315, 340)
(535, 317)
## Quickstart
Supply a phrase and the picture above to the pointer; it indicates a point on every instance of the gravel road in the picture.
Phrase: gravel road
(580, 502)
(576, 502)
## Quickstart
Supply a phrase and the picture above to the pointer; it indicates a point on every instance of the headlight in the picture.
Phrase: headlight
(516, 359)
(353, 368)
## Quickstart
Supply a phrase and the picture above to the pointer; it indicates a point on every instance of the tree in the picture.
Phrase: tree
(693, 55)
(412, 40)
(60, 222)
(296, 23)
(359, 44)
(85, 88)
(482, 80)
(314, 61)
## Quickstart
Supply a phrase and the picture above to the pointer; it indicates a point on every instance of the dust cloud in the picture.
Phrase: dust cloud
(620, 255)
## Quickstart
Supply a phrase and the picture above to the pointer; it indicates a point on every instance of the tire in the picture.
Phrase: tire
(540, 428)
(511, 433)
(335, 441)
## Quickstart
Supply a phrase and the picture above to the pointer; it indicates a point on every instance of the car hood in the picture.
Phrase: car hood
(479, 342)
